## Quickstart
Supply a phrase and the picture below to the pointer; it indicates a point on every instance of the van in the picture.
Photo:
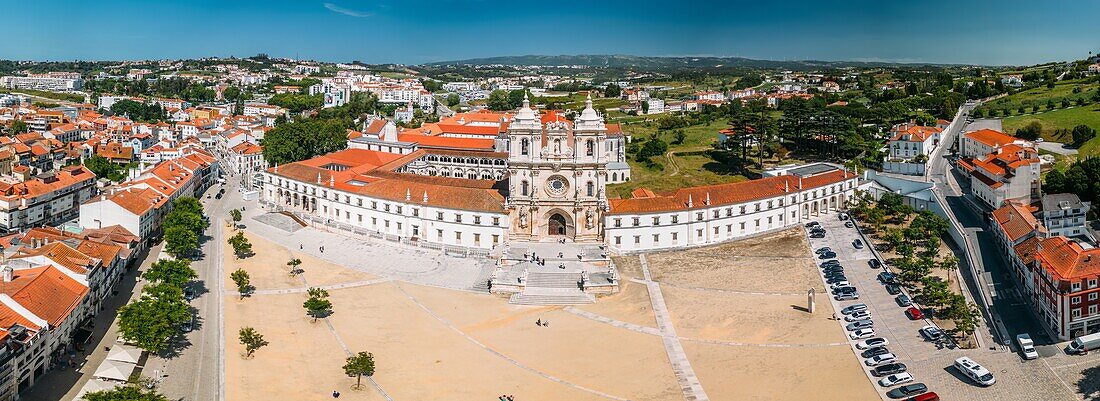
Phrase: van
(974, 371)
(1083, 344)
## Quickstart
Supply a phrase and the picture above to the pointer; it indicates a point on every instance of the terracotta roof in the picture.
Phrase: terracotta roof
(46, 292)
(443, 142)
(1066, 260)
(724, 194)
(62, 254)
(991, 137)
(1016, 220)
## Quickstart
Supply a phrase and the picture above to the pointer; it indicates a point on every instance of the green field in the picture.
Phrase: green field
(1040, 95)
(1057, 119)
(679, 171)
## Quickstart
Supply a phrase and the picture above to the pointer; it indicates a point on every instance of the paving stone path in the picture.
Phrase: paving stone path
(681, 366)
(718, 290)
(302, 290)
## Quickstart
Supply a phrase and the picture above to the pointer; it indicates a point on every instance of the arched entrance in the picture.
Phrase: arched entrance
(557, 224)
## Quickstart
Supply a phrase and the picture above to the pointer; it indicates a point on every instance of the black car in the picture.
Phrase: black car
(903, 300)
(889, 369)
(812, 223)
(874, 263)
(823, 250)
(827, 255)
(849, 224)
(816, 230)
(830, 262)
(874, 351)
(817, 235)
(887, 278)
(835, 279)
(893, 289)
(829, 270)
(844, 290)
(907, 390)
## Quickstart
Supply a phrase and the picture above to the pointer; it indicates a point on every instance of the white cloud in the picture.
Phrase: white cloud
(351, 13)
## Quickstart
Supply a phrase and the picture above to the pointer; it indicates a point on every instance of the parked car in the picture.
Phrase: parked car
(895, 379)
(860, 324)
(849, 224)
(844, 290)
(848, 296)
(835, 278)
(817, 235)
(823, 250)
(887, 278)
(857, 243)
(850, 309)
(880, 359)
(874, 351)
(861, 334)
(872, 342)
(1027, 347)
(914, 313)
(932, 333)
(874, 263)
(923, 397)
(188, 293)
(812, 223)
(888, 369)
(843, 216)
(841, 284)
(907, 390)
(189, 325)
(903, 300)
(827, 255)
(856, 316)
(893, 289)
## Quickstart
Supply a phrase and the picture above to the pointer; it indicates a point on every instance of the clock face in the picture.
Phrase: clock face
(556, 185)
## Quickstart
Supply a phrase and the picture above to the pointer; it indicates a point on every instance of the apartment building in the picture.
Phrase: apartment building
(47, 200)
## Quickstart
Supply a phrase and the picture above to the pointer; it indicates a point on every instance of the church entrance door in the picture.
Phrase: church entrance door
(556, 224)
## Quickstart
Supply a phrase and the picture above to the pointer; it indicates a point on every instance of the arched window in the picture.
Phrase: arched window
(614, 176)
(557, 146)
(590, 147)
(523, 191)
(591, 189)
(523, 144)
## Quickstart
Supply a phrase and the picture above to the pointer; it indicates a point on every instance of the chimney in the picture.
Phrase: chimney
(8, 273)
(690, 203)
(408, 194)
(425, 196)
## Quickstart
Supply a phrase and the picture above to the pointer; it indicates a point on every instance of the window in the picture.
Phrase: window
(674, 236)
(416, 231)
(458, 218)
(758, 207)
(523, 144)
(729, 212)
(757, 223)
(742, 210)
(637, 239)
(496, 239)
(439, 235)
(1092, 296)
(698, 216)
(715, 230)
(1092, 310)
(699, 233)
(477, 219)
(416, 212)
(399, 210)
(386, 224)
(477, 239)
(458, 236)
(591, 189)
(524, 185)
(618, 223)
(1092, 283)
(374, 205)
(675, 219)
(637, 221)
(386, 207)
(1075, 300)
(1076, 286)
(360, 218)
(496, 221)
(439, 216)
(656, 220)
(618, 240)
(1076, 313)
(716, 214)
(770, 204)
(656, 238)
(590, 147)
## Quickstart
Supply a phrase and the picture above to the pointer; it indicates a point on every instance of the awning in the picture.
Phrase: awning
(125, 353)
(93, 386)
(115, 370)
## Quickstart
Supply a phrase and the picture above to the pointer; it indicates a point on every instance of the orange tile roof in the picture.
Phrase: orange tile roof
(443, 142)
(62, 254)
(46, 292)
(724, 194)
(1066, 260)
(991, 137)
(1016, 220)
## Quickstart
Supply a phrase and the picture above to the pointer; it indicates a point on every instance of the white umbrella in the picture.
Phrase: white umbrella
(115, 370)
(93, 386)
(125, 353)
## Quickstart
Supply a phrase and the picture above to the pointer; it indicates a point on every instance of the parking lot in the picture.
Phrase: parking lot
(1054, 376)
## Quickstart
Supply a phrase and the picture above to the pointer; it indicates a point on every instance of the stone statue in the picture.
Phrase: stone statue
(523, 217)
(589, 219)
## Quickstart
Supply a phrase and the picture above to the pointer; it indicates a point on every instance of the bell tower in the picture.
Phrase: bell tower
(557, 172)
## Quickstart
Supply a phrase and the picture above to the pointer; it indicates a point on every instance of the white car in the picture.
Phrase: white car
(850, 309)
(873, 342)
(895, 379)
(839, 284)
(861, 334)
(1027, 347)
(858, 316)
(880, 359)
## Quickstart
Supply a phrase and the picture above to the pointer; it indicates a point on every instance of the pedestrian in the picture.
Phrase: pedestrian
(510, 398)
(335, 394)
(538, 322)
(546, 323)
(300, 247)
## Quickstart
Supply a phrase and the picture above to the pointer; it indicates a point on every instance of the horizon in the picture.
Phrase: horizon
(986, 33)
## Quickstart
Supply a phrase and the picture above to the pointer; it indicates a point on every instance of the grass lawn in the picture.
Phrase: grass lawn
(1040, 95)
(1057, 119)
(689, 169)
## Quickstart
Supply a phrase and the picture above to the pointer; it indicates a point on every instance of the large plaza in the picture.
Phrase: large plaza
(729, 323)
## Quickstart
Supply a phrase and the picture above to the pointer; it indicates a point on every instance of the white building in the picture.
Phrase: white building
(53, 81)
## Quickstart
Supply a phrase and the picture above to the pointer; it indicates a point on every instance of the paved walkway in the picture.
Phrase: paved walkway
(302, 290)
(681, 366)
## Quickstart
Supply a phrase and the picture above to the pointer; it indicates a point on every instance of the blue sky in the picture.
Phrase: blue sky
(419, 31)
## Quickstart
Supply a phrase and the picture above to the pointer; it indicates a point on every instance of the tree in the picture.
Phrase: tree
(453, 100)
(173, 272)
(104, 168)
(318, 304)
(498, 101)
(645, 107)
(155, 317)
(251, 340)
(293, 264)
(296, 141)
(235, 214)
(242, 280)
(612, 90)
(180, 241)
(359, 365)
(241, 246)
(1081, 134)
(125, 393)
(19, 127)
(1031, 131)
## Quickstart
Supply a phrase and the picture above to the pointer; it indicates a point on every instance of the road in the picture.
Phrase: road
(195, 372)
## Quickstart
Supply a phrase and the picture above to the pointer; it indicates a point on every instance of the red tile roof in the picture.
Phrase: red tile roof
(991, 137)
(46, 292)
(724, 194)
(1016, 220)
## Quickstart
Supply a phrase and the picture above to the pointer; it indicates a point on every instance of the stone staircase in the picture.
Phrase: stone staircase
(562, 280)
(551, 296)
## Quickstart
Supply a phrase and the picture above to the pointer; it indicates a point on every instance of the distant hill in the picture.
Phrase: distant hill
(627, 61)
